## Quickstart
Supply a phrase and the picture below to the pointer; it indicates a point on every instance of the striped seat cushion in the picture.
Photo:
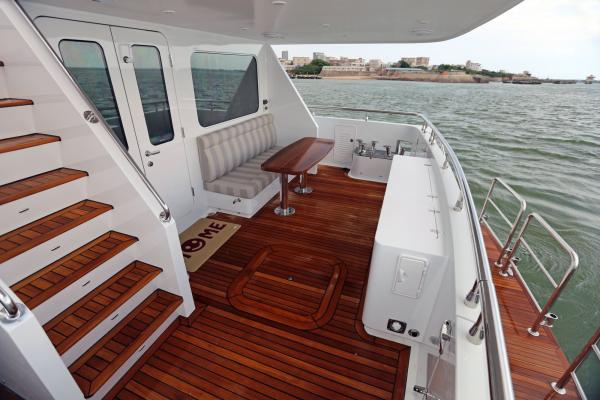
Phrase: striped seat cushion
(226, 149)
(247, 180)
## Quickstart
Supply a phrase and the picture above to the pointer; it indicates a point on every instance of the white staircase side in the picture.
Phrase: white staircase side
(16, 121)
(30, 365)
(31, 261)
(3, 89)
(28, 209)
(21, 164)
(84, 285)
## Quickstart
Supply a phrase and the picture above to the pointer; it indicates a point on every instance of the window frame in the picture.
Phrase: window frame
(111, 86)
(258, 87)
(164, 83)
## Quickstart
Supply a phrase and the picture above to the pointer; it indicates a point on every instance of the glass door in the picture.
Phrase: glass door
(128, 76)
(145, 66)
(88, 52)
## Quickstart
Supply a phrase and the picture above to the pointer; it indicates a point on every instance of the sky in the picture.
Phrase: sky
(549, 38)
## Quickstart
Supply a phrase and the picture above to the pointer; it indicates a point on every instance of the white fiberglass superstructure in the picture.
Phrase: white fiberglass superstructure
(133, 134)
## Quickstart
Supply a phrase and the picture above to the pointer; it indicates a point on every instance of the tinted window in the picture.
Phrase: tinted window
(86, 62)
(153, 93)
(225, 86)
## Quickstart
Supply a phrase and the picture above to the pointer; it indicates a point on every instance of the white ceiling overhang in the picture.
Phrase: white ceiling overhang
(309, 21)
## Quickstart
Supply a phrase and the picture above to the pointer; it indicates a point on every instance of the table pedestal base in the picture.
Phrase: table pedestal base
(284, 209)
(284, 212)
(303, 189)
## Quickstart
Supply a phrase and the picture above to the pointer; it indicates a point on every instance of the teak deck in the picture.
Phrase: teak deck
(225, 353)
(534, 361)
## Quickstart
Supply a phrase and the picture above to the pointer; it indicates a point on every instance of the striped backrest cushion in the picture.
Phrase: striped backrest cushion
(225, 149)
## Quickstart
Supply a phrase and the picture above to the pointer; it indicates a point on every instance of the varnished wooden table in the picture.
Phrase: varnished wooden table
(296, 159)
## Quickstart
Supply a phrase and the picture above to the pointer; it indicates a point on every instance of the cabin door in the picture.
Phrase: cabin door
(127, 73)
(146, 69)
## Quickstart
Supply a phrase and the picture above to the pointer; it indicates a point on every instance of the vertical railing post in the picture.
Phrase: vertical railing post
(559, 385)
(545, 317)
(505, 264)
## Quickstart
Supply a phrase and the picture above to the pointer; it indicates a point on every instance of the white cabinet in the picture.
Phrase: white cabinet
(410, 255)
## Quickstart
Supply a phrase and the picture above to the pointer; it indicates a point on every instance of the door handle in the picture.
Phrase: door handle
(149, 153)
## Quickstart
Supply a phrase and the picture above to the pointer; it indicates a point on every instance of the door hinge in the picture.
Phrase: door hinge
(171, 60)
(193, 192)
(182, 132)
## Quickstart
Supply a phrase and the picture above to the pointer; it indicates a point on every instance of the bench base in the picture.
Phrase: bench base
(235, 205)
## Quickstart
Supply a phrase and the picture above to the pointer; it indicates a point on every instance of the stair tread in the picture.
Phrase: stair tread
(26, 141)
(103, 359)
(75, 322)
(15, 102)
(45, 283)
(38, 183)
(37, 232)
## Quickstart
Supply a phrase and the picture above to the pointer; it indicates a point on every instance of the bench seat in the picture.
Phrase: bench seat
(247, 180)
(230, 160)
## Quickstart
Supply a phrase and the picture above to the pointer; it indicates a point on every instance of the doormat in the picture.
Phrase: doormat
(201, 240)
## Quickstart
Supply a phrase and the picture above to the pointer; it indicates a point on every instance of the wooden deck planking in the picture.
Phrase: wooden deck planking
(26, 141)
(534, 361)
(226, 353)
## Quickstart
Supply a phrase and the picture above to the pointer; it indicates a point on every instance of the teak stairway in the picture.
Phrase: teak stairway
(95, 314)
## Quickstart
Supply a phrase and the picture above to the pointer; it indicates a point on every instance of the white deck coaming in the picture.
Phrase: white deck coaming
(309, 21)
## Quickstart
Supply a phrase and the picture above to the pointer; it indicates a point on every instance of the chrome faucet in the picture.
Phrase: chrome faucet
(388, 150)
(372, 153)
(361, 147)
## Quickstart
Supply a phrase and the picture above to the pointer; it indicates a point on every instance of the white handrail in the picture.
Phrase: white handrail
(499, 371)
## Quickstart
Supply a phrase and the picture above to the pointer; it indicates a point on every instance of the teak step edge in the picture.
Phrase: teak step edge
(15, 102)
(47, 282)
(38, 183)
(37, 232)
(75, 322)
(26, 141)
(102, 360)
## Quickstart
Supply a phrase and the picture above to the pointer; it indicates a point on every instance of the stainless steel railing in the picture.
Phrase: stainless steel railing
(591, 345)
(512, 225)
(499, 371)
(94, 116)
(9, 305)
(545, 317)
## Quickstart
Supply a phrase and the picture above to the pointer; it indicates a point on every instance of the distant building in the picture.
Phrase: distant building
(333, 60)
(300, 61)
(355, 62)
(375, 64)
(319, 56)
(416, 61)
(285, 55)
(422, 62)
(473, 66)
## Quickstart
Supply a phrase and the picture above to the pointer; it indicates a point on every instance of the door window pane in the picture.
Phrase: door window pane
(153, 93)
(86, 62)
(225, 86)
